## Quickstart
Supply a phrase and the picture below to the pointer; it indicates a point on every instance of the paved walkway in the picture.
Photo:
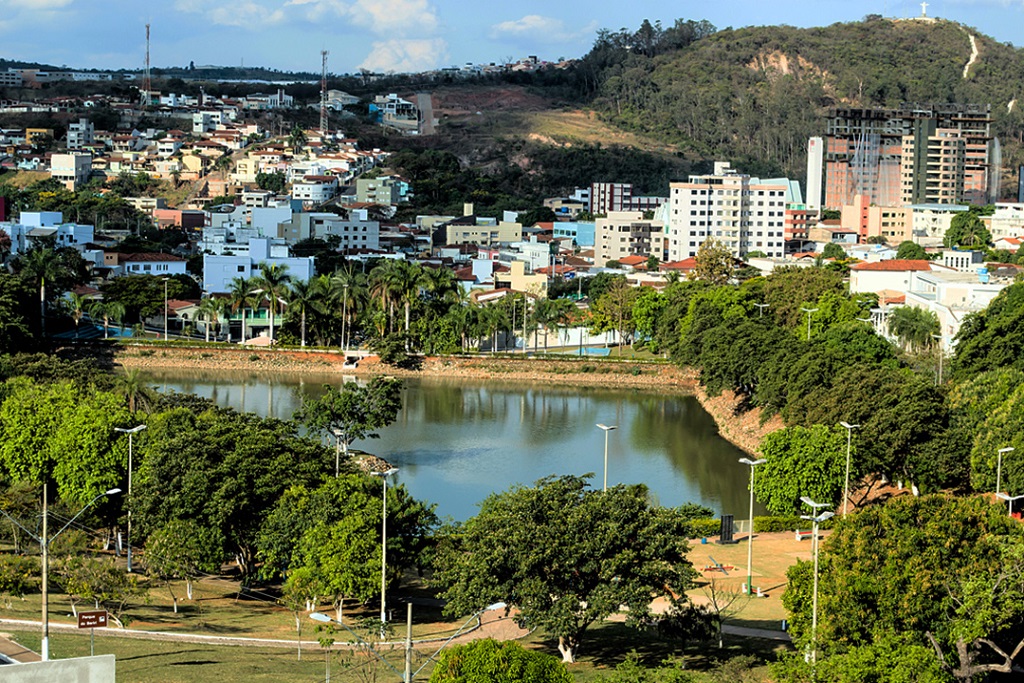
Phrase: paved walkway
(11, 650)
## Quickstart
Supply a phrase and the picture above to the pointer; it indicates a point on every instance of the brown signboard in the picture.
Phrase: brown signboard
(92, 619)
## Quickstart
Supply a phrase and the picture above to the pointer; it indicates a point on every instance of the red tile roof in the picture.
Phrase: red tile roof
(685, 264)
(895, 265)
(632, 260)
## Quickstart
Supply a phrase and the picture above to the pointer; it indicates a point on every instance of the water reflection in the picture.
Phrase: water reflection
(458, 441)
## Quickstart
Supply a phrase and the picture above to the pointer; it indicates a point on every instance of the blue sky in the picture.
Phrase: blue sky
(401, 35)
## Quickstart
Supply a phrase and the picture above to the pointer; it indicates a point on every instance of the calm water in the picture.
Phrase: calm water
(455, 443)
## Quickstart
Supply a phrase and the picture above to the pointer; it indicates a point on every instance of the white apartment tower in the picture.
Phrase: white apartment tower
(741, 213)
(815, 165)
(81, 134)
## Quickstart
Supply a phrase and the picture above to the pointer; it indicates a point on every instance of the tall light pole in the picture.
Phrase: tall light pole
(815, 519)
(808, 311)
(344, 318)
(938, 337)
(44, 544)
(384, 543)
(999, 467)
(165, 309)
(761, 308)
(337, 451)
(846, 488)
(130, 432)
(606, 428)
(750, 536)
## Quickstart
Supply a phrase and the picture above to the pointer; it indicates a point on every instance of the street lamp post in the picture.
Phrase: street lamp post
(761, 308)
(606, 429)
(846, 488)
(165, 310)
(337, 451)
(750, 535)
(808, 311)
(130, 432)
(1010, 500)
(384, 543)
(44, 544)
(815, 520)
(344, 318)
(999, 467)
(938, 337)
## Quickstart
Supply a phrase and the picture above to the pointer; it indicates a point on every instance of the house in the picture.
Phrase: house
(893, 274)
(219, 271)
(1011, 244)
(152, 264)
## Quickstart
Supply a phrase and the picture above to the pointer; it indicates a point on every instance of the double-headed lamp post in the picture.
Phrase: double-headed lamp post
(44, 544)
(846, 487)
(1010, 500)
(815, 520)
(999, 467)
(606, 429)
(384, 543)
(760, 308)
(750, 535)
(130, 432)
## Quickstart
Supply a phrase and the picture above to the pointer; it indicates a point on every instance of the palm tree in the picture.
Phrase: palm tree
(77, 303)
(296, 138)
(176, 177)
(41, 264)
(210, 309)
(914, 327)
(107, 310)
(381, 286)
(439, 282)
(406, 280)
(241, 297)
(303, 297)
(133, 387)
(272, 284)
(348, 291)
(492, 318)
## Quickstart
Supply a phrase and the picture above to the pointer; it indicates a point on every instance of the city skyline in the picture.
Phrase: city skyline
(400, 35)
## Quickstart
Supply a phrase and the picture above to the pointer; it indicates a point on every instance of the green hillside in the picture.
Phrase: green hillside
(754, 95)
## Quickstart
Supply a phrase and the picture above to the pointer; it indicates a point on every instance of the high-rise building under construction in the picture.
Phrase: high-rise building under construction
(919, 153)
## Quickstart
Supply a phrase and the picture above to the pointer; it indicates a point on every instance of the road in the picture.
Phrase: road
(426, 106)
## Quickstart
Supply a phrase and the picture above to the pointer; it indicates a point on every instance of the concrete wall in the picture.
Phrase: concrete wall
(98, 669)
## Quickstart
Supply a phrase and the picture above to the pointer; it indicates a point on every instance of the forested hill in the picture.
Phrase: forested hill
(754, 95)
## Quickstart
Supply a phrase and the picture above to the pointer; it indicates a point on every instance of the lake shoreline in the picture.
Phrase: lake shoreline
(742, 429)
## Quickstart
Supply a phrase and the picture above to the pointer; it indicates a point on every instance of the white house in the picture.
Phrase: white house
(892, 274)
(219, 271)
(152, 264)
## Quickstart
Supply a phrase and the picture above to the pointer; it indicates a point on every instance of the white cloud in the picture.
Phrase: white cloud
(406, 56)
(39, 4)
(380, 17)
(539, 29)
(245, 13)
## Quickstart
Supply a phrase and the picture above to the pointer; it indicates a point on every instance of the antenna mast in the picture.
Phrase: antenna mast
(147, 80)
(323, 96)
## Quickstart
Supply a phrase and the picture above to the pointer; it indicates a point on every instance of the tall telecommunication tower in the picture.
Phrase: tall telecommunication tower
(323, 96)
(147, 79)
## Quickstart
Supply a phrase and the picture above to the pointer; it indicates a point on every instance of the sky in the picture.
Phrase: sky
(402, 35)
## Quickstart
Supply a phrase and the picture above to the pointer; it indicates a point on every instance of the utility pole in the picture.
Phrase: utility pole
(147, 79)
(323, 96)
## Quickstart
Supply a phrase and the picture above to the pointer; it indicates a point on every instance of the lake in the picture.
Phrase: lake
(457, 442)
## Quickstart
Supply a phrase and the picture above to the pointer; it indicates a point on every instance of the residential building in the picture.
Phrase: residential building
(608, 197)
(893, 223)
(952, 296)
(627, 233)
(889, 275)
(517, 278)
(378, 191)
(315, 189)
(35, 225)
(356, 232)
(741, 213)
(931, 221)
(932, 165)
(866, 152)
(473, 229)
(1007, 220)
(582, 234)
(815, 165)
(81, 134)
(71, 169)
(219, 271)
(152, 264)
(963, 261)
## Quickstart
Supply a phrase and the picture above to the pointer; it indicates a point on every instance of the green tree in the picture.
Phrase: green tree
(15, 313)
(910, 250)
(790, 287)
(966, 230)
(183, 549)
(992, 338)
(352, 412)
(488, 661)
(614, 311)
(802, 462)
(713, 263)
(914, 328)
(936, 570)
(556, 562)
(106, 311)
(833, 251)
(303, 298)
(41, 265)
(272, 182)
(272, 285)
